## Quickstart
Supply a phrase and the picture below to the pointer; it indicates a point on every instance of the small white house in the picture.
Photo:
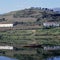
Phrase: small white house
(52, 48)
(6, 25)
(51, 24)
(6, 47)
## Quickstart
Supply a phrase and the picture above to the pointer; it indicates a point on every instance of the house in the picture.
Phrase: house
(51, 24)
(6, 47)
(6, 25)
(51, 47)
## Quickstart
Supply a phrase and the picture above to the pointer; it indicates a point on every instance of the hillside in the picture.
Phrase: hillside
(31, 18)
(31, 15)
(28, 30)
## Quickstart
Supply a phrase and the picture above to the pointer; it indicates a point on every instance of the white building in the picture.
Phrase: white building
(6, 47)
(52, 48)
(51, 24)
(6, 25)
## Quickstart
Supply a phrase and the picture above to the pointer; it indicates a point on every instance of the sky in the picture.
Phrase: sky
(12, 5)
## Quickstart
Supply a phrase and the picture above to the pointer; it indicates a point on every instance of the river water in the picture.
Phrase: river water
(54, 58)
(6, 58)
(50, 58)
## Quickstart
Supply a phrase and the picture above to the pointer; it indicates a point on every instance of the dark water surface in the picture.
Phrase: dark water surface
(50, 58)
(53, 58)
(6, 58)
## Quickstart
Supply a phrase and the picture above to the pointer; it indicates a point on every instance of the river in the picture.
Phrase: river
(50, 58)
(53, 58)
(6, 58)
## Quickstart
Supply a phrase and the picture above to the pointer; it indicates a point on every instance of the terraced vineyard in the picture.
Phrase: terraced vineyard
(40, 36)
(19, 38)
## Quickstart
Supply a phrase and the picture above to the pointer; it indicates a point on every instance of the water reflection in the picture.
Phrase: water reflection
(50, 58)
(53, 58)
(6, 58)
